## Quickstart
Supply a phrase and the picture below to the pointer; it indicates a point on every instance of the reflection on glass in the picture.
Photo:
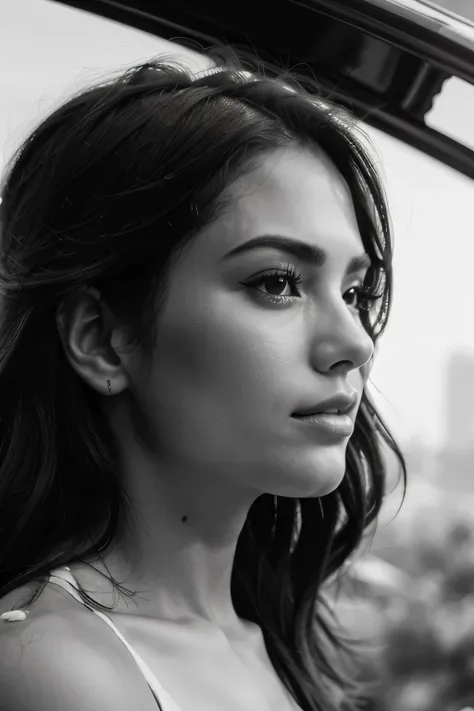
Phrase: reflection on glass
(445, 17)
(460, 9)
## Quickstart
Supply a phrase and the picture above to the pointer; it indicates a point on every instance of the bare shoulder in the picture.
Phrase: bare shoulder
(60, 657)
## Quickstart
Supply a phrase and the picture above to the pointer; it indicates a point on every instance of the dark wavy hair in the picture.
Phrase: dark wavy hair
(106, 192)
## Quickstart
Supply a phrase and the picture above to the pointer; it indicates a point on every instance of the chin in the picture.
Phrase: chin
(322, 486)
(309, 478)
(328, 468)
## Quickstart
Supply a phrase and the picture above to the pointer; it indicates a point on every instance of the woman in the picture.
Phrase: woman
(194, 273)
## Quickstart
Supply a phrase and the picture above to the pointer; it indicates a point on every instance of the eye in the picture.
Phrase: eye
(361, 297)
(277, 285)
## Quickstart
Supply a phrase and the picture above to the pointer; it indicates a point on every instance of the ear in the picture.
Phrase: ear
(88, 330)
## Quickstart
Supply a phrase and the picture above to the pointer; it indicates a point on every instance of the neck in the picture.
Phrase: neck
(178, 551)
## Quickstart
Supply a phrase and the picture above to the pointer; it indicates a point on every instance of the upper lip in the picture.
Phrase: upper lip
(343, 402)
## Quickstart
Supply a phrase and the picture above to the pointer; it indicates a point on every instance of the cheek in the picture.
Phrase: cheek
(214, 362)
(213, 393)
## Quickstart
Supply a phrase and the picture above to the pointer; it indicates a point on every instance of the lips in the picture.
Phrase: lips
(339, 404)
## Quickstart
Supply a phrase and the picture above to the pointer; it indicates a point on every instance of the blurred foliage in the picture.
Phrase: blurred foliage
(419, 637)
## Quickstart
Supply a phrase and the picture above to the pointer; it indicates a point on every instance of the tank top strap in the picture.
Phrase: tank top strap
(64, 578)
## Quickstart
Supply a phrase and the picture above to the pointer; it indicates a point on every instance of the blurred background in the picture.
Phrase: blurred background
(410, 593)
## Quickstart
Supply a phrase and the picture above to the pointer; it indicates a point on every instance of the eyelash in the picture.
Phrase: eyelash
(289, 273)
(366, 295)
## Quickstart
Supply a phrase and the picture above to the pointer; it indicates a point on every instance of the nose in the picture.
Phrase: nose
(340, 342)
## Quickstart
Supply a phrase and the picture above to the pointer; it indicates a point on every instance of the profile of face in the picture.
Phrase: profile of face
(252, 334)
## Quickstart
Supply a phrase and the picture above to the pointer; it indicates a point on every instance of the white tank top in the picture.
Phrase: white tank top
(64, 578)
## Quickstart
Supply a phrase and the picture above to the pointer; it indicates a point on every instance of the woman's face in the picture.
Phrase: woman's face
(251, 335)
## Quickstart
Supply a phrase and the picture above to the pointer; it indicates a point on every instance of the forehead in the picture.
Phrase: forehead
(295, 192)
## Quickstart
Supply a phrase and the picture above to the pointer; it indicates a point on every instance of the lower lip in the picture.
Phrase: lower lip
(340, 425)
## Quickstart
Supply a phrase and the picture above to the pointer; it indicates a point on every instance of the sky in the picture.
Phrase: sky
(48, 51)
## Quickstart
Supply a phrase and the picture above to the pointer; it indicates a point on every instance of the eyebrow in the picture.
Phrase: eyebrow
(302, 250)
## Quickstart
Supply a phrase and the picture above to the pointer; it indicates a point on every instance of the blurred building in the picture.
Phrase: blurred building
(455, 460)
(459, 400)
